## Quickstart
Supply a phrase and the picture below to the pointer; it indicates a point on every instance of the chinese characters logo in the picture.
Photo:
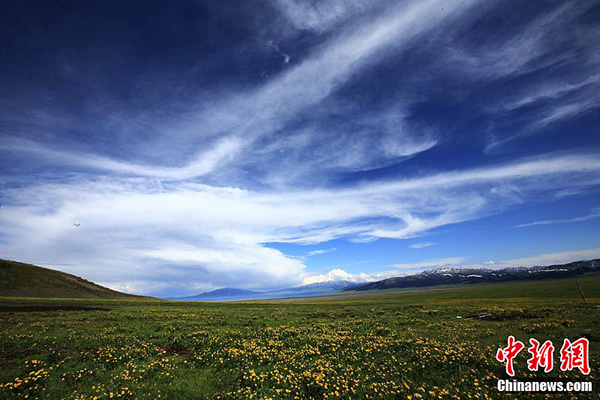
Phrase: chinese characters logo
(572, 355)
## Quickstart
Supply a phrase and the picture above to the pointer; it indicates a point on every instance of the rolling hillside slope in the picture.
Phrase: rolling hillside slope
(26, 280)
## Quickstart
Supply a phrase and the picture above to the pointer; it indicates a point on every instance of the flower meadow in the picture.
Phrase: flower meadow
(392, 346)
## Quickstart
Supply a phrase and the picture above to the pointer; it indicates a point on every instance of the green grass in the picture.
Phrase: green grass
(389, 344)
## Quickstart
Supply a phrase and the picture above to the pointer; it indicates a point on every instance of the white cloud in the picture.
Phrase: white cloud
(593, 215)
(519, 51)
(430, 264)
(551, 258)
(414, 268)
(421, 245)
(561, 109)
(336, 275)
(160, 231)
(554, 58)
(366, 140)
(204, 163)
(549, 91)
(566, 110)
(138, 230)
(459, 262)
(233, 124)
(317, 252)
(322, 15)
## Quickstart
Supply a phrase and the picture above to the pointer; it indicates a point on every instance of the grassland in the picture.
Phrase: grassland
(391, 344)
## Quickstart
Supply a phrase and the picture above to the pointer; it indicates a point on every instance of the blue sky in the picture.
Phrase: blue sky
(170, 149)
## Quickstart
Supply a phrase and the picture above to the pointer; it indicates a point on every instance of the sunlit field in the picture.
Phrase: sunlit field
(387, 345)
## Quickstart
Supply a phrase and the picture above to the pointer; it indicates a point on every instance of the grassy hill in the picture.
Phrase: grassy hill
(26, 280)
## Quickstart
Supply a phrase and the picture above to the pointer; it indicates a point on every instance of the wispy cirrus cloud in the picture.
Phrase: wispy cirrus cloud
(563, 257)
(430, 264)
(593, 215)
(321, 251)
(527, 262)
(322, 16)
(421, 245)
(217, 234)
(545, 70)
(363, 129)
(233, 123)
(550, 91)
(561, 103)
(516, 51)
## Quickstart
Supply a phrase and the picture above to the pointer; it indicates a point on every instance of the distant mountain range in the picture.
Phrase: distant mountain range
(26, 280)
(450, 276)
(225, 294)
(231, 294)
(434, 277)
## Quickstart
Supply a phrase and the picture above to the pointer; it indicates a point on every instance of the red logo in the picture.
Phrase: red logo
(508, 353)
(575, 355)
(572, 355)
(543, 356)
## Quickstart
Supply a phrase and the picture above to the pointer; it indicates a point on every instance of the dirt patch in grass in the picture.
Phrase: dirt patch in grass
(177, 350)
(92, 349)
(11, 309)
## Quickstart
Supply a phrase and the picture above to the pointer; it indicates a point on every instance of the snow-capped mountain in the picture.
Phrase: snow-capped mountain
(458, 275)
